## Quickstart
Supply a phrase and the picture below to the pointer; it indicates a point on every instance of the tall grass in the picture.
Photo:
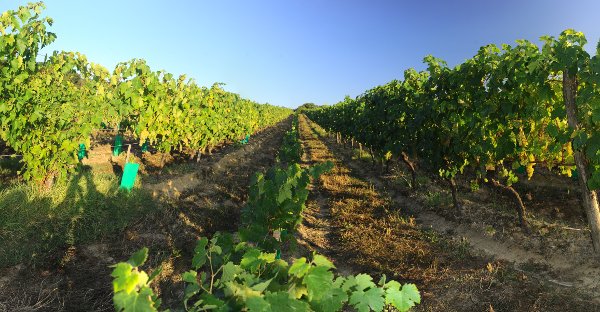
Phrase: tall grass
(36, 223)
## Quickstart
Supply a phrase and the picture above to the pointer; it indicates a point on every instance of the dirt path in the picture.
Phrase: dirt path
(317, 231)
(362, 223)
(556, 269)
(195, 204)
(217, 164)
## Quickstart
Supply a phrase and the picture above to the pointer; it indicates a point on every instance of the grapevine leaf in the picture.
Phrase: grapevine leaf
(364, 281)
(285, 192)
(210, 302)
(258, 304)
(134, 302)
(139, 257)
(365, 301)
(200, 253)
(299, 268)
(594, 181)
(190, 277)
(297, 291)
(262, 286)
(320, 260)
(402, 298)
(229, 272)
(155, 274)
(318, 281)
(349, 283)
(251, 260)
(332, 300)
(281, 301)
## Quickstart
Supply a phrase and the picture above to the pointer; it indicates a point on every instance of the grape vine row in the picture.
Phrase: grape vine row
(48, 108)
(505, 108)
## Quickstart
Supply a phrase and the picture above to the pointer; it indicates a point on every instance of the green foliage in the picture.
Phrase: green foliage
(291, 149)
(175, 113)
(131, 287)
(34, 119)
(48, 108)
(496, 109)
(36, 223)
(500, 110)
(276, 202)
(232, 275)
(235, 276)
(306, 107)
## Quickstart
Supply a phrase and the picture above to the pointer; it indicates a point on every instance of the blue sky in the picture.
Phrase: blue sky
(291, 52)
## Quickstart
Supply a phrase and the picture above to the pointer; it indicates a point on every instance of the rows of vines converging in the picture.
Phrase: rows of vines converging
(245, 271)
(505, 108)
(49, 107)
(291, 148)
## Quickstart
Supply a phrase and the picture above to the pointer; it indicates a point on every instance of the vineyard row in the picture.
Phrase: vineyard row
(506, 108)
(48, 108)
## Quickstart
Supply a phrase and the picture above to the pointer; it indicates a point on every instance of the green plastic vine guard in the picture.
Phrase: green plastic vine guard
(145, 146)
(129, 174)
(245, 140)
(81, 153)
(278, 236)
(118, 145)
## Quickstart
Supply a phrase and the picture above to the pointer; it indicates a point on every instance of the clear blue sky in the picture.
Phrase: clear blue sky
(291, 52)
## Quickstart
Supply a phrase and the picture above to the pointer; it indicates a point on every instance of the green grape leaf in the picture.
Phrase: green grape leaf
(318, 281)
(251, 260)
(139, 257)
(299, 268)
(281, 301)
(230, 270)
(364, 281)
(262, 286)
(200, 253)
(594, 181)
(135, 302)
(320, 260)
(210, 302)
(127, 278)
(154, 274)
(349, 282)
(371, 299)
(332, 300)
(257, 304)
(190, 277)
(403, 298)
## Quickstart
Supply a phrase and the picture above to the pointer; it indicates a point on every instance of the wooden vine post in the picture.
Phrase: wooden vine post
(590, 197)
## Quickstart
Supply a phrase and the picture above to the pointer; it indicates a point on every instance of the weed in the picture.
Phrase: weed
(490, 230)
(437, 199)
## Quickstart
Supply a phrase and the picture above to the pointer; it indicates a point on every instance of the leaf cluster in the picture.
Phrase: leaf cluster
(235, 276)
(49, 107)
(501, 110)
(276, 202)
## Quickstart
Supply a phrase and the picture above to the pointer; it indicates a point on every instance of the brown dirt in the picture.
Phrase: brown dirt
(369, 230)
(227, 164)
(78, 278)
